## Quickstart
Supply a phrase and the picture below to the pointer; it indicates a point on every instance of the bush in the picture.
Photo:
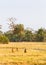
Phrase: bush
(4, 39)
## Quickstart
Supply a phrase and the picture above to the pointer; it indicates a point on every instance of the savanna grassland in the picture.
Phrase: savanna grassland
(23, 53)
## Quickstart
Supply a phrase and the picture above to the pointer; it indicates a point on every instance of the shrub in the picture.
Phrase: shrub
(4, 39)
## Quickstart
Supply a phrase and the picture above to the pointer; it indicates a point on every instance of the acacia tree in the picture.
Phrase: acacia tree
(28, 36)
(11, 23)
(16, 29)
(19, 31)
(40, 35)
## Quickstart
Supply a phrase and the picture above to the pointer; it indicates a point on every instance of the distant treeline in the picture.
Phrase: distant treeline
(18, 33)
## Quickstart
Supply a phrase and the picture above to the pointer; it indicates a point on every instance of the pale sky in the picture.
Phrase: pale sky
(31, 13)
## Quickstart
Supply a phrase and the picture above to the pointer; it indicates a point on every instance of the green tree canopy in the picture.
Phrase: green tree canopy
(40, 35)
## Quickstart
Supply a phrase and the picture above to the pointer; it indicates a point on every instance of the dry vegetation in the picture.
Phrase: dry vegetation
(14, 53)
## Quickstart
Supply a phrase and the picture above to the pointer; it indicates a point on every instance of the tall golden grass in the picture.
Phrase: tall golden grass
(13, 53)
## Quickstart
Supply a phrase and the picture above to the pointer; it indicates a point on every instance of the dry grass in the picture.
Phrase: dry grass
(13, 53)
